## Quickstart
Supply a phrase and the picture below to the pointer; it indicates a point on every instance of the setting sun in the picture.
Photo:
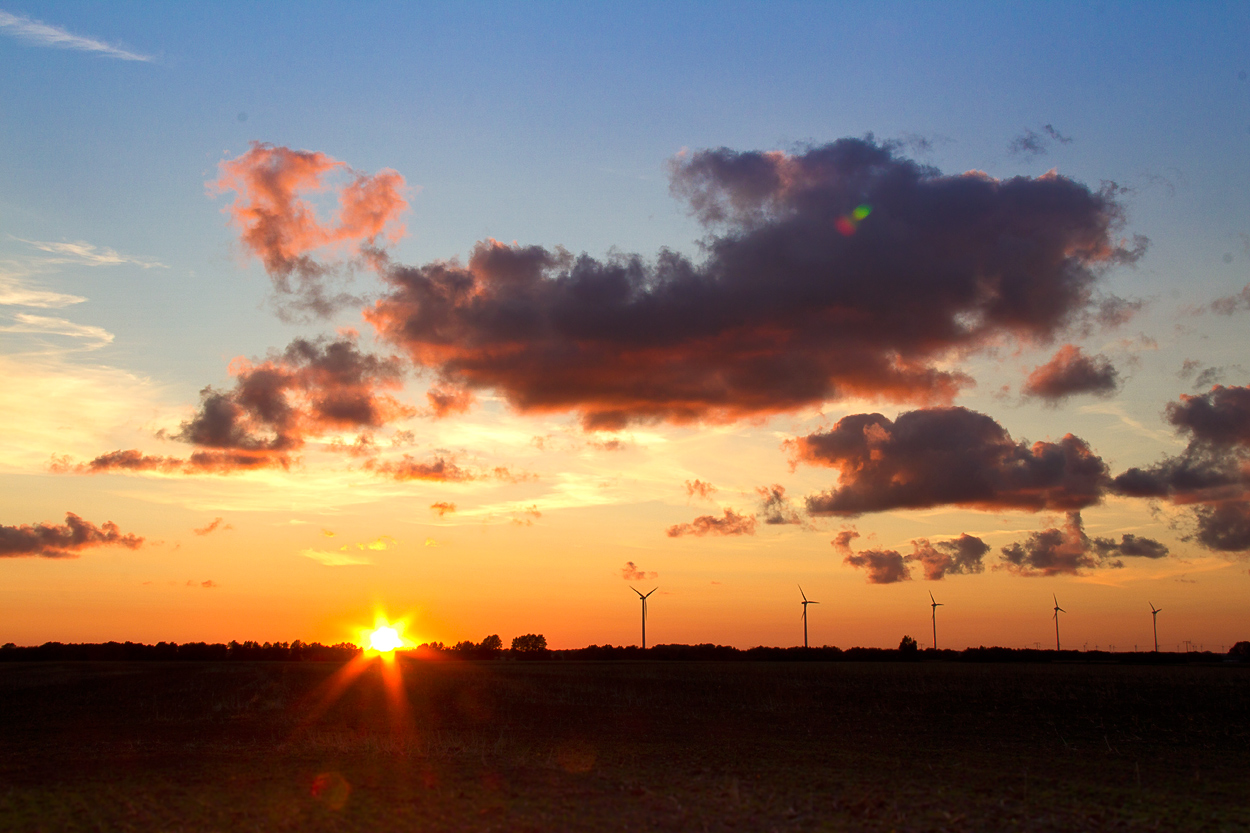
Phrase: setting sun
(384, 640)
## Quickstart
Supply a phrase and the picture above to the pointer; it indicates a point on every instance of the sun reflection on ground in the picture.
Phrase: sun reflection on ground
(378, 643)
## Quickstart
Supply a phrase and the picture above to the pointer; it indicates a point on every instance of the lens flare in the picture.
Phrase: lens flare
(848, 224)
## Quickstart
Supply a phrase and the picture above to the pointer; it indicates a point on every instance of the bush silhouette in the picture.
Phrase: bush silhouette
(908, 646)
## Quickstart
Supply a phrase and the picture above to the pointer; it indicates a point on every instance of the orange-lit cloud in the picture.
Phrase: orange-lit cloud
(698, 487)
(731, 523)
(963, 555)
(212, 527)
(631, 572)
(1070, 372)
(64, 541)
(1069, 551)
(883, 566)
(785, 312)
(776, 507)
(947, 456)
(443, 508)
(440, 469)
(279, 225)
(312, 388)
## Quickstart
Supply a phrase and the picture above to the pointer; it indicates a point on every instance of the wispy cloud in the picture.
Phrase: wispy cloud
(45, 325)
(42, 34)
(86, 254)
(334, 559)
(14, 292)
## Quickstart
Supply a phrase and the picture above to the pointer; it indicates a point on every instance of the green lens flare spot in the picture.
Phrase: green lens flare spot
(861, 212)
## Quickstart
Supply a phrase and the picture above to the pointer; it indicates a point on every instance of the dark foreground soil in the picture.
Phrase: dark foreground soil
(517, 746)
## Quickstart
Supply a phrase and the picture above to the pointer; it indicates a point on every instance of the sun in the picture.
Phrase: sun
(384, 639)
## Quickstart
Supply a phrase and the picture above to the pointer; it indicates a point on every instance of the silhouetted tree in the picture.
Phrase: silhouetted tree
(908, 646)
(530, 646)
(1240, 651)
(492, 645)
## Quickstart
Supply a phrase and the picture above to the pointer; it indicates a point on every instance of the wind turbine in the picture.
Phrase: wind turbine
(805, 603)
(935, 605)
(644, 613)
(1058, 610)
(1154, 615)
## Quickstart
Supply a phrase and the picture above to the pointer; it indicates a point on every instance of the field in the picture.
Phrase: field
(541, 746)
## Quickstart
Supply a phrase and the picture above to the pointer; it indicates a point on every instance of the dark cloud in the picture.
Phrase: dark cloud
(64, 541)
(1032, 143)
(883, 566)
(631, 572)
(311, 388)
(212, 527)
(730, 524)
(843, 270)
(1070, 372)
(947, 456)
(777, 508)
(963, 555)
(698, 487)
(1212, 474)
(1069, 551)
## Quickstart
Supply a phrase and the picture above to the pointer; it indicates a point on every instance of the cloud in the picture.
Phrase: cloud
(439, 469)
(94, 337)
(335, 559)
(310, 389)
(1212, 474)
(1032, 143)
(64, 541)
(730, 524)
(448, 401)
(1070, 372)
(212, 527)
(698, 487)
(963, 555)
(1232, 303)
(946, 457)
(777, 508)
(788, 310)
(209, 585)
(630, 572)
(44, 34)
(443, 508)
(278, 225)
(883, 566)
(83, 253)
(16, 292)
(526, 516)
(1069, 550)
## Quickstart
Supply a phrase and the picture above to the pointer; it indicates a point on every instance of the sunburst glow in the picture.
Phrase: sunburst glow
(384, 639)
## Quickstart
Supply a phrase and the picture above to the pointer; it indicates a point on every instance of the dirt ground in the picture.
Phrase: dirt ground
(537, 746)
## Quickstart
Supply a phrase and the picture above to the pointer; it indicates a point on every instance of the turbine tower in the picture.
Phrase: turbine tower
(1154, 615)
(644, 613)
(935, 604)
(806, 601)
(1058, 610)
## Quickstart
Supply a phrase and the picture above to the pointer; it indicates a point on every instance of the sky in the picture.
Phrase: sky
(477, 316)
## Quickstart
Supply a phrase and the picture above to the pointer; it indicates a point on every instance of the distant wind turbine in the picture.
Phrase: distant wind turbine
(935, 605)
(1058, 610)
(1154, 615)
(644, 613)
(805, 603)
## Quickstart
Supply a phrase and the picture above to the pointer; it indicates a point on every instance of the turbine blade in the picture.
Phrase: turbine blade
(653, 589)
(801, 593)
